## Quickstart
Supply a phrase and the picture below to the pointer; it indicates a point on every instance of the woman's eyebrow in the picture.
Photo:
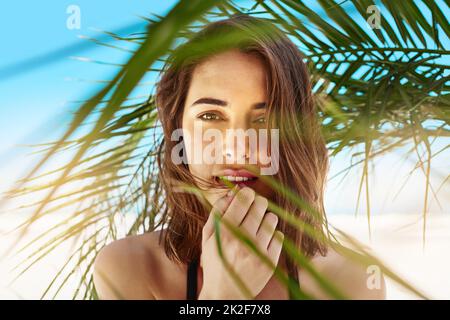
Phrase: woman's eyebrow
(222, 103)
(213, 101)
(260, 105)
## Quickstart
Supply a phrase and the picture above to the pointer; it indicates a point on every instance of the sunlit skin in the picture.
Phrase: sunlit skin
(136, 267)
(227, 92)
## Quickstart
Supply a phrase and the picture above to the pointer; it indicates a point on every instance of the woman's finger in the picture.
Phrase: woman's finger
(267, 229)
(219, 207)
(240, 205)
(275, 246)
(255, 215)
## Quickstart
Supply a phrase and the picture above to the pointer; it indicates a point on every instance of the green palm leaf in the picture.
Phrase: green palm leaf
(374, 87)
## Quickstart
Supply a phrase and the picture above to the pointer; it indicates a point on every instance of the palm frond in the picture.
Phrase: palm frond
(376, 88)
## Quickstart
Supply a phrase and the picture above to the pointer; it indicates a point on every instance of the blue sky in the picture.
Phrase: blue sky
(30, 29)
(34, 105)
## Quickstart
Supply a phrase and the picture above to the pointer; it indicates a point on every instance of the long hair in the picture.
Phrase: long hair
(303, 157)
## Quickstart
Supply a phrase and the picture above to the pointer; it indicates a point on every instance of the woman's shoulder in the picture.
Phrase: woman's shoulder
(354, 280)
(132, 268)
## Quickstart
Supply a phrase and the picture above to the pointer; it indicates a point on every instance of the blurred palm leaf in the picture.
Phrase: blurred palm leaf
(376, 88)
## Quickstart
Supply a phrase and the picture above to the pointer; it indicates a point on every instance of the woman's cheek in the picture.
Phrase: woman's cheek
(198, 170)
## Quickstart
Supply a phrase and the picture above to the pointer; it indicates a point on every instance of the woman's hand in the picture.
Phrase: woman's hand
(247, 212)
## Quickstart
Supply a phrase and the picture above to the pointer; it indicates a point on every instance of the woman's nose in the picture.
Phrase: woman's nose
(238, 147)
(233, 156)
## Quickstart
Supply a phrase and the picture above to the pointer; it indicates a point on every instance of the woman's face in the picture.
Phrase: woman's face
(227, 96)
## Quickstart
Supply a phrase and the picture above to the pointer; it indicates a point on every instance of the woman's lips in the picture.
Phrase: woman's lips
(239, 177)
(247, 183)
(238, 173)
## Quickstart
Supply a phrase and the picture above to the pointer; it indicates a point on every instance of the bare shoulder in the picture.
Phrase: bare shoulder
(351, 278)
(131, 268)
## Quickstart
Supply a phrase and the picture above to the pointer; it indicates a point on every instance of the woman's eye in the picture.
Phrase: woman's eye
(261, 120)
(209, 117)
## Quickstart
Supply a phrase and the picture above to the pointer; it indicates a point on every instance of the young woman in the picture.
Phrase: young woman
(236, 74)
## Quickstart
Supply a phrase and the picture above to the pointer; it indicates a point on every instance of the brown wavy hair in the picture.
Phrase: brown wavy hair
(303, 157)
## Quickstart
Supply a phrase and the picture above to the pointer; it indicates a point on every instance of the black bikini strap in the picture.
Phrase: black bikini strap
(191, 290)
